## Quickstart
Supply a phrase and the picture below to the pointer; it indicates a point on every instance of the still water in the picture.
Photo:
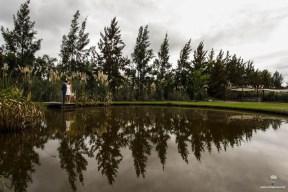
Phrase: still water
(146, 149)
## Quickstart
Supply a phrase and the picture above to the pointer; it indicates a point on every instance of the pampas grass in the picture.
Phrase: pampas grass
(18, 114)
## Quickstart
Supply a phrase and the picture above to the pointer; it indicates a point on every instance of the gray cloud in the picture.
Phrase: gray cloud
(254, 27)
(272, 55)
(280, 64)
(6, 10)
(278, 60)
(250, 28)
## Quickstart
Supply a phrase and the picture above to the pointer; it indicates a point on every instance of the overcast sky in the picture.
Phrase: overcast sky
(253, 29)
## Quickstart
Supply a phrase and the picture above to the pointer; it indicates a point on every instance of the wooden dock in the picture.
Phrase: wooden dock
(71, 106)
(59, 105)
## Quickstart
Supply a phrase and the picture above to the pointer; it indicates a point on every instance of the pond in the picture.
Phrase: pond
(146, 149)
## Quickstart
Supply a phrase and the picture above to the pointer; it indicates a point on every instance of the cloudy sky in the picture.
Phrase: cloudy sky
(254, 29)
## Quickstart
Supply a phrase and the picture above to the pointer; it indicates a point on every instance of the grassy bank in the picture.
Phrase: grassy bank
(263, 107)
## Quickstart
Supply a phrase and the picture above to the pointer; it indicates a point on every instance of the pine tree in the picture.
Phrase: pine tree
(1, 57)
(249, 71)
(183, 67)
(162, 68)
(73, 46)
(218, 78)
(81, 44)
(183, 62)
(210, 60)
(232, 70)
(198, 83)
(277, 80)
(141, 56)
(238, 71)
(110, 58)
(198, 79)
(256, 81)
(161, 63)
(22, 41)
(266, 78)
(199, 60)
(68, 47)
(241, 74)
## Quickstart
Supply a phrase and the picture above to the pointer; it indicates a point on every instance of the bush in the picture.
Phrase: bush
(278, 97)
(178, 96)
(11, 93)
(16, 113)
(43, 90)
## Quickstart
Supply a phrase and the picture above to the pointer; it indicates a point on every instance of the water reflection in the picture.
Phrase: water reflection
(101, 134)
(18, 158)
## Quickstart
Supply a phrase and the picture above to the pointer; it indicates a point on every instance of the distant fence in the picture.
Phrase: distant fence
(250, 94)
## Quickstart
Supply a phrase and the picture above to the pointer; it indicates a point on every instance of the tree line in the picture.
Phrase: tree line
(103, 71)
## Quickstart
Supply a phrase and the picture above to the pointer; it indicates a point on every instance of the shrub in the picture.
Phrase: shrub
(17, 113)
(278, 97)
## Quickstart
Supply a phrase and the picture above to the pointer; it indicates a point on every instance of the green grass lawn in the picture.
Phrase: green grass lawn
(276, 108)
(262, 107)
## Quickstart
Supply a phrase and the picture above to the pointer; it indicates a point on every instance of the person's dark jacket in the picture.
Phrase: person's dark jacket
(64, 88)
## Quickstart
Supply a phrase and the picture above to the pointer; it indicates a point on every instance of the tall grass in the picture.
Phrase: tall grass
(17, 113)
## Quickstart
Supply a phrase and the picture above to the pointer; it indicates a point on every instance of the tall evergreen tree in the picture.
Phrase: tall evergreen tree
(199, 61)
(241, 73)
(232, 70)
(210, 60)
(266, 78)
(183, 66)
(198, 80)
(237, 71)
(277, 80)
(218, 78)
(161, 63)
(162, 68)
(141, 56)
(198, 83)
(256, 81)
(183, 63)
(73, 46)
(110, 58)
(1, 57)
(22, 41)
(68, 47)
(81, 47)
(249, 70)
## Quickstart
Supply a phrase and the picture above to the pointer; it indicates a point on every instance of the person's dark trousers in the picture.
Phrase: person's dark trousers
(63, 97)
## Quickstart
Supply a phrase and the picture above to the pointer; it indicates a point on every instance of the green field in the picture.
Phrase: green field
(264, 107)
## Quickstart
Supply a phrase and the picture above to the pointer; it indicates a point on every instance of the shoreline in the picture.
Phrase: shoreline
(257, 107)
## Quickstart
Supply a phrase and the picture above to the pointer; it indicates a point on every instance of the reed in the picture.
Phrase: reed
(18, 114)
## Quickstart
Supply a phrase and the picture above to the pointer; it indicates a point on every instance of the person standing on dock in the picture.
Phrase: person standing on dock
(64, 90)
(69, 93)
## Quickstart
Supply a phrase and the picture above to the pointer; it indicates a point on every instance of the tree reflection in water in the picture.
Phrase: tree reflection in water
(18, 157)
(101, 133)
